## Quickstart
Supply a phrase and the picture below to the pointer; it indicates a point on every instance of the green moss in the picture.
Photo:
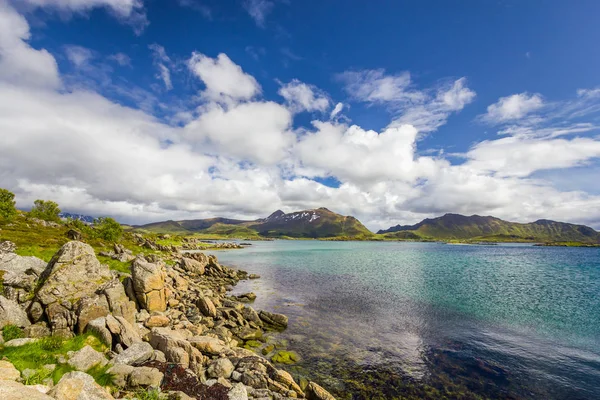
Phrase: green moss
(269, 348)
(46, 351)
(285, 357)
(115, 265)
(10, 332)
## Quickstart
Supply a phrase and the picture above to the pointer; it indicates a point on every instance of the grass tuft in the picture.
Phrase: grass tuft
(10, 332)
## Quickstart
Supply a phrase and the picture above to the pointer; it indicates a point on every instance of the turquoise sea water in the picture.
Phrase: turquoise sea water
(507, 321)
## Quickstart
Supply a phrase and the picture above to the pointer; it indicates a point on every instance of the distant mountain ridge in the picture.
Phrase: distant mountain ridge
(456, 226)
(317, 223)
(83, 218)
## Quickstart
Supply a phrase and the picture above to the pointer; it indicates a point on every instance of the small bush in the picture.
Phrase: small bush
(7, 204)
(108, 229)
(46, 210)
(10, 332)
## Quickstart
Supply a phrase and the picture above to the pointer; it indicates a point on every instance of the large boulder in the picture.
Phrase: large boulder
(149, 284)
(118, 302)
(79, 386)
(74, 273)
(220, 368)
(8, 372)
(192, 266)
(176, 347)
(145, 377)
(122, 331)
(206, 306)
(18, 274)
(11, 390)
(135, 354)
(12, 314)
(86, 359)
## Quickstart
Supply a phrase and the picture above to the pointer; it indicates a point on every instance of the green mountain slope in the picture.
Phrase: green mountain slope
(475, 227)
(318, 223)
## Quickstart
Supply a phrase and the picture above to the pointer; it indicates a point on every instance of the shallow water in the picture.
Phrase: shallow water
(385, 320)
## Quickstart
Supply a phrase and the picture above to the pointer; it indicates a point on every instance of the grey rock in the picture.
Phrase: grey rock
(98, 328)
(137, 353)
(12, 314)
(120, 373)
(8, 371)
(19, 342)
(149, 284)
(79, 386)
(220, 368)
(207, 307)
(145, 377)
(86, 358)
(11, 390)
(125, 333)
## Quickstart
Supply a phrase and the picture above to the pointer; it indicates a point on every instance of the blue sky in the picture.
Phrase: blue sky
(392, 112)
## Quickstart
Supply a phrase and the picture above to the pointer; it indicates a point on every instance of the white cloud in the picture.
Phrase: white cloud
(336, 110)
(121, 58)
(162, 61)
(303, 97)
(426, 109)
(258, 10)
(513, 107)
(513, 156)
(129, 11)
(223, 78)
(255, 131)
(78, 55)
(239, 155)
(374, 86)
(352, 154)
(19, 62)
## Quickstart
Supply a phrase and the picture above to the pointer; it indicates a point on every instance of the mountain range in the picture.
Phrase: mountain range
(322, 223)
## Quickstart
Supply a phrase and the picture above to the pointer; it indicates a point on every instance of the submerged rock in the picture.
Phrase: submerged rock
(274, 320)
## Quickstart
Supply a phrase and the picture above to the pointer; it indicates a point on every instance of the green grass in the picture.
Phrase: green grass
(46, 351)
(115, 265)
(149, 394)
(10, 332)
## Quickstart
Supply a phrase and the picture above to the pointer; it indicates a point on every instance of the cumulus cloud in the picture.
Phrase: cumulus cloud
(223, 78)
(303, 97)
(238, 154)
(513, 107)
(19, 62)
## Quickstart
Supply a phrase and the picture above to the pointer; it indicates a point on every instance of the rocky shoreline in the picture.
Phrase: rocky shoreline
(169, 328)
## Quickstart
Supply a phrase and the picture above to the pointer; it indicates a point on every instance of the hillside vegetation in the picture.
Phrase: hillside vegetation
(478, 228)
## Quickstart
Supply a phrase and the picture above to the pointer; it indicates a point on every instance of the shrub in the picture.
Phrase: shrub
(46, 210)
(7, 204)
(108, 229)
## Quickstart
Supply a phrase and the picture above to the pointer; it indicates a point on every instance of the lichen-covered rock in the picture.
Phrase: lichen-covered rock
(238, 392)
(12, 314)
(316, 392)
(207, 345)
(135, 354)
(98, 328)
(11, 390)
(120, 374)
(124, 333)
(206, 307)
(90, 308)
(193, 266)
(177, 348)
(8, 372)
(145, 377)
(118, 302)
(149, 284)
(74, 273)
(86, 358)
(220, 368)
(79, 386)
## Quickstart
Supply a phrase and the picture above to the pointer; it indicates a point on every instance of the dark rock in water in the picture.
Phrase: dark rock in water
(316, 392)
(253, 276)
(274, 320)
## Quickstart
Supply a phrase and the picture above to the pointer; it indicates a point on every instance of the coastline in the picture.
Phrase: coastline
(177, 305)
